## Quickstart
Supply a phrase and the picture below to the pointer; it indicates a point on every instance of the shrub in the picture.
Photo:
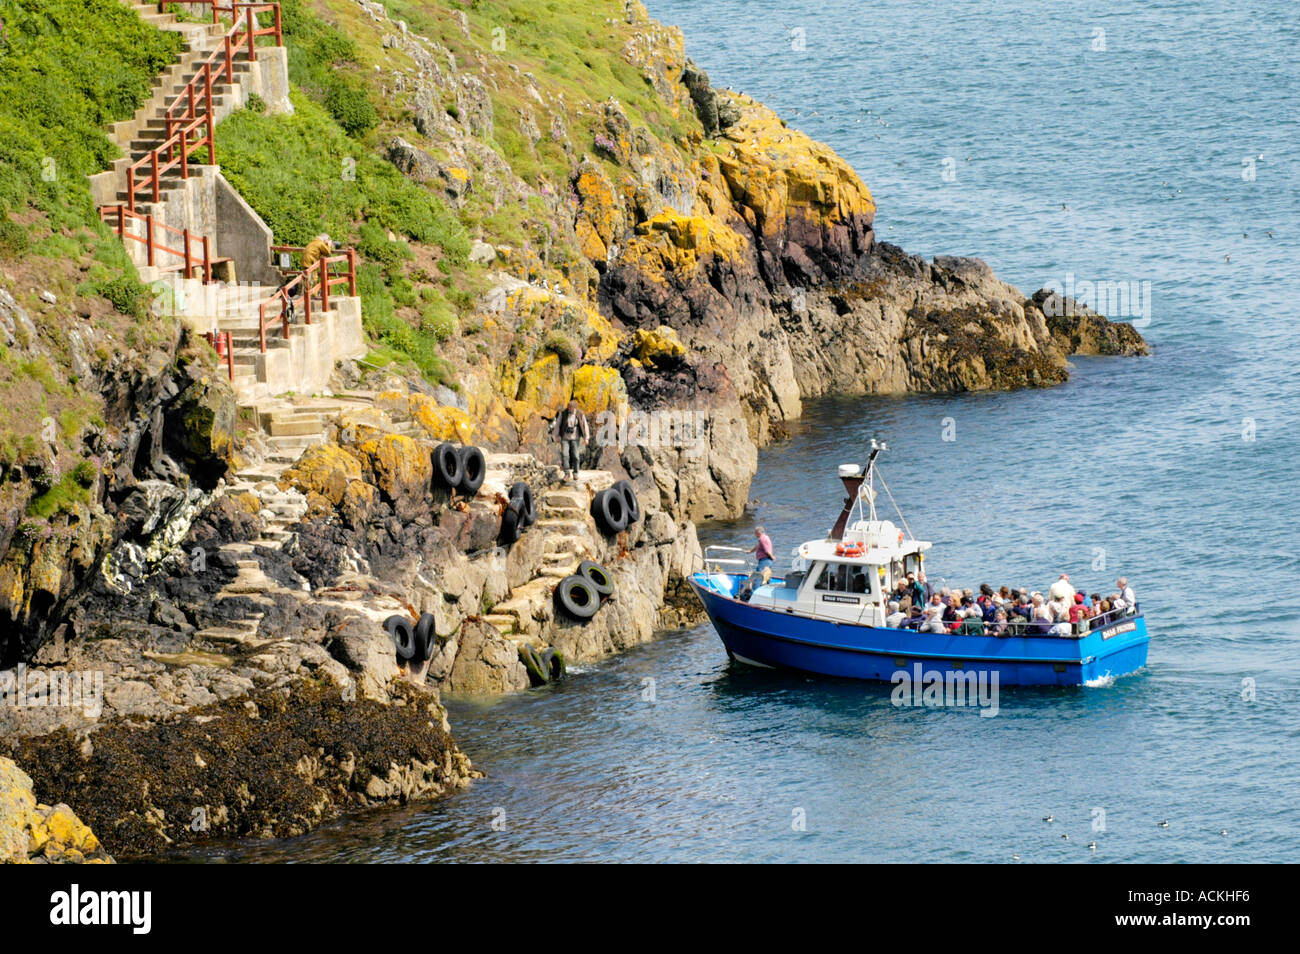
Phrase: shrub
(351, 108)
(127, 293)
(13, 238)
(562, 346)
(439, 320)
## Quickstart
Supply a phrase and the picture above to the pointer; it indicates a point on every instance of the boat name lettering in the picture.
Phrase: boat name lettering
(840, 599)
(1121, 628)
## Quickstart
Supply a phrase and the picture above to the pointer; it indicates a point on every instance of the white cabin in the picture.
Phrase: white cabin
(829, 579)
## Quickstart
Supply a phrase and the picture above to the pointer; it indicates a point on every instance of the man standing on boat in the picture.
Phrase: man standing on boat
(762, 551)
(1126, 594)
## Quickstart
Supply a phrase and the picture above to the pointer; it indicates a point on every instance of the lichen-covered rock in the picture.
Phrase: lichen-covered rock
(660, 347)
(31, 832)
(598, 389)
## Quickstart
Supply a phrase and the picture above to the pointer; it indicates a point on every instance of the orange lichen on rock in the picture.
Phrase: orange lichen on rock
(773, 170)
(670, 241)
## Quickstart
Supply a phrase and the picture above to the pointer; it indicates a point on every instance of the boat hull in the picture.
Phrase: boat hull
(772, 638)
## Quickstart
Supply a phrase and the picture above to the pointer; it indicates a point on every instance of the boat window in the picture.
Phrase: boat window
(834, 576)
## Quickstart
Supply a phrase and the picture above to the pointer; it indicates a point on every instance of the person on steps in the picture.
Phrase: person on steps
(570, 430)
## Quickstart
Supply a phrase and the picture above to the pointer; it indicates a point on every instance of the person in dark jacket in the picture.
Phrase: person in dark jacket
(570, 430)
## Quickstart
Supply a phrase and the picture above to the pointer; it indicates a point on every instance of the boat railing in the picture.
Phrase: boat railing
(1043, 628)
(713, 563)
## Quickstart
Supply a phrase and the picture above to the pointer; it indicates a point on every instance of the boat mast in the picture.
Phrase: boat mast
(876, 448)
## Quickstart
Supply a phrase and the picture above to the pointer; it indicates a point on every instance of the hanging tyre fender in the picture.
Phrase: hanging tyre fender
(538, 671)
(448, 467)
(473, 468)
(578, 597)
(553, 660)
(610, 511)
(403, 634)
(426, 638)
(625, 488)
(524, 493)
(510, 528)
(598, 577)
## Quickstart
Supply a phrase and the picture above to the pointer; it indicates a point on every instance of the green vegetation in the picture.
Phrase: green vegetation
(53, 107)
(68, 68)
(72, 488)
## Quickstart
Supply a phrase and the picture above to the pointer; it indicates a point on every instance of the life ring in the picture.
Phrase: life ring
(900, 536)
(578, 597)
(849, 549)
(597, 576)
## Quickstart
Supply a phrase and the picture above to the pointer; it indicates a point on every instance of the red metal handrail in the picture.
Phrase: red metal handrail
(191, 110)
(223, 342)
(316, 280)
(118, 215)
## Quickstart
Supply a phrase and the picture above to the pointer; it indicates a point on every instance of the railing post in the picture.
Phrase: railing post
(352, 272)
(148, 238)
(130, 188)
(121, 220)
(261, 326)
(154, 157)
(279, 33)
(185, 239)
(207, 99)
(207, 262)
(230, 355)
(306, 296)
(230, 67)
(185, 153)
(324, 284)
(252, 35)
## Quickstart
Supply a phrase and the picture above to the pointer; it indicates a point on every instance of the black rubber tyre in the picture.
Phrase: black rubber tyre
(448, 467)
(578, 597)
(399, 627)
(598, 577)
(610, 511)
(528, 511)
(553, 659)
(510, 529)
(426, 638)
(539, 672)
(629, 500)
(473, 468)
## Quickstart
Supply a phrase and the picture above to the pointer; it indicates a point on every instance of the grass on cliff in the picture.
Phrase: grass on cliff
(304, 174)
(67, 69)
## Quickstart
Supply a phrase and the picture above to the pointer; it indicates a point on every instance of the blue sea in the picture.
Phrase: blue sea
(1060, 142)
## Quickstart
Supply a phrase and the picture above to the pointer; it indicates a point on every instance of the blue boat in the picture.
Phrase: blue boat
(828, 615)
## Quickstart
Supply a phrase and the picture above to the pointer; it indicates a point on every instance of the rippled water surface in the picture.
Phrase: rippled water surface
(1123, 164)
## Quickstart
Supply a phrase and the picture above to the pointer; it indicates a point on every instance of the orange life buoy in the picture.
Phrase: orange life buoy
(849, 549)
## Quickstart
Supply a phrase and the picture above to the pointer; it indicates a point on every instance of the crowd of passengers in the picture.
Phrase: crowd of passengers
(914, 604)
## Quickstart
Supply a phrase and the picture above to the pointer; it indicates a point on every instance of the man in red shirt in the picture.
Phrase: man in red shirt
(763, 553)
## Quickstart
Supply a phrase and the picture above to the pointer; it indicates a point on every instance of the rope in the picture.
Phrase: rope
(896, 507)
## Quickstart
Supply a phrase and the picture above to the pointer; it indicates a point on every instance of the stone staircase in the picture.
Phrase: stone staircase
(562, 516)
